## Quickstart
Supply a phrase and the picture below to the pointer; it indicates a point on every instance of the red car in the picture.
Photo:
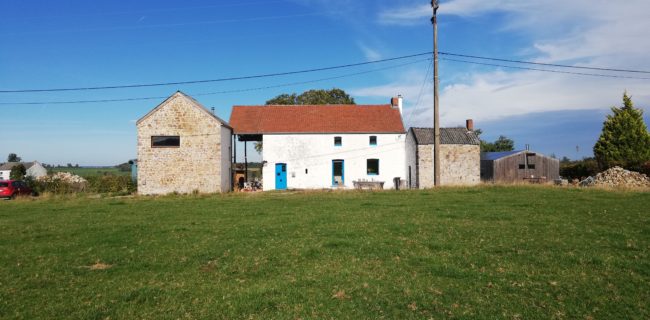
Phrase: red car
(12, 188)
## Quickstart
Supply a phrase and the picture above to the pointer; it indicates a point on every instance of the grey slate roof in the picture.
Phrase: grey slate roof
(447, 136)
(10, 165)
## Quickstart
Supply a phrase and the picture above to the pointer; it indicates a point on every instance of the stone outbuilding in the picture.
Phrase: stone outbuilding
(183, 148)
(460, 156)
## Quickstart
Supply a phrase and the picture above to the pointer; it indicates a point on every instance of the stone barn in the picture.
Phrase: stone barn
(183, 148)
(518, 166)
(459, 152)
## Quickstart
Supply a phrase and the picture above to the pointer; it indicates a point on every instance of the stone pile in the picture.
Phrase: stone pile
(618, 177)
(65, 177)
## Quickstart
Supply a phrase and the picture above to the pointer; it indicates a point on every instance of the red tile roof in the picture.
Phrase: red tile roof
(316, 119)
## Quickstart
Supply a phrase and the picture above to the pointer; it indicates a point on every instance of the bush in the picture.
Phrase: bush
(57, 186)
(645, 168)
(110, 184)
(579, 169)
(18, 172)
(66, 183)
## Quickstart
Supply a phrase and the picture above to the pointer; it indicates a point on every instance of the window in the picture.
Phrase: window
(531, 166)
(373, 140)
(165, 141)
(338, 141)
(306, 171)
(522, 166)
(373, 167)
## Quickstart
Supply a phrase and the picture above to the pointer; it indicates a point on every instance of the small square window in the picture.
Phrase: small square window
(373, 167)
(338, 141)
(531, 166)
(165, 141)
(373, 140)
(522, 166)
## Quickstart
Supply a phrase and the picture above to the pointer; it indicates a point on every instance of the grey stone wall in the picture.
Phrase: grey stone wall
(425, 166)
(459, 165)
(194, 166)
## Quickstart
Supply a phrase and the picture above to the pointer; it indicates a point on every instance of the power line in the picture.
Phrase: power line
(540, 63)
(218, 92)
(546, 70)
(277, 74)
(268, 75)
(424, 82)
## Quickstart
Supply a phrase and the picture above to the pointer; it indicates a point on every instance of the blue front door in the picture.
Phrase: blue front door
(338, 173)
(280, 176)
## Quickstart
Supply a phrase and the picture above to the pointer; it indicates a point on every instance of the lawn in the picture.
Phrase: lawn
(467, 253)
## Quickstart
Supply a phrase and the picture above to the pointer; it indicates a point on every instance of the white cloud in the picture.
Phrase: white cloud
(408, 15)
(580, 32)
(370, 53)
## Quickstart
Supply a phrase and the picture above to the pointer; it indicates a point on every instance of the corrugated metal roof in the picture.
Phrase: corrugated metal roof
(498, 155)
(447, 136)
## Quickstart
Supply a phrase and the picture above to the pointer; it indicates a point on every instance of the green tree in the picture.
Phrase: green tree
(13, 158)
(320, 96)
(316, 96)
(18, 172)
(284, 99)
(625, 140)
(503, 143)
(259, 146)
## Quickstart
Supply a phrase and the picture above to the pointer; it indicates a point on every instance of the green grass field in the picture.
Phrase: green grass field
(474, 253)
(91, 172)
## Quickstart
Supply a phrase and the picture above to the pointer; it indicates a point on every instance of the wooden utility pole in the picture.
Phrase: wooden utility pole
(436, 107)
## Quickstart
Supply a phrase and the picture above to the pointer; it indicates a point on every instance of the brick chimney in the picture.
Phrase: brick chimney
(396, 103)
(469, 124)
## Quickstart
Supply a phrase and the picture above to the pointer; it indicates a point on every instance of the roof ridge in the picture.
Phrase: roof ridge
(191, 100)
(313, 105)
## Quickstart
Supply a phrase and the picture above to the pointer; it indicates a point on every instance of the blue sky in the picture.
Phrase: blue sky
(54, 44)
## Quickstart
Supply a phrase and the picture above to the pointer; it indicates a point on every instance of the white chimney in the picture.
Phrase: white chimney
(399, 103)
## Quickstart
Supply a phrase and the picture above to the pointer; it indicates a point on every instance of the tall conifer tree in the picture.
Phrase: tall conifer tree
(625, 140)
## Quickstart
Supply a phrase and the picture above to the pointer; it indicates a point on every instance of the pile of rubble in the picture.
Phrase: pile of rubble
(617, 177)
(65, 177)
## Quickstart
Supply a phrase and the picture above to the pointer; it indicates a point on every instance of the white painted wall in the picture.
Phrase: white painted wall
(4, 174)
(226, 159)
(36, 170)
(315, 152)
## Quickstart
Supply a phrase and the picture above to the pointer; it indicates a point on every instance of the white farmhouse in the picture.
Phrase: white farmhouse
(326, 146)
(34, 169)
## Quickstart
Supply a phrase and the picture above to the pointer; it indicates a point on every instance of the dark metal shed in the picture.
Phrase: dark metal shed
(518, 166)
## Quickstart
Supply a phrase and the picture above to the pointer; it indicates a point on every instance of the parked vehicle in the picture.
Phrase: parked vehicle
(12, 188)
